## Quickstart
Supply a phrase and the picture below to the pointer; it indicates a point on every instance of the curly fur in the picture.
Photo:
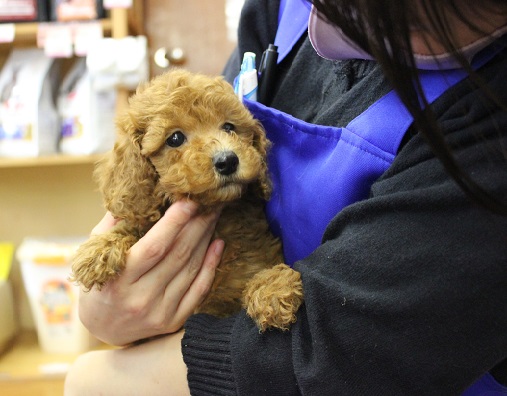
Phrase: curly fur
(145, 173)
(270, 297)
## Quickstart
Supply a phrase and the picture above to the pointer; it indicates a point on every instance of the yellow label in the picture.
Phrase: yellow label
(51, 260)
(6, 254)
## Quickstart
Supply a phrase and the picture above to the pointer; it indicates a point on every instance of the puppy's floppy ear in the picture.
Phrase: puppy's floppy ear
(126, 179)
(262, 144)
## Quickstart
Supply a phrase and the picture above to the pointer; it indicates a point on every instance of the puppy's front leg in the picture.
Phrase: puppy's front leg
(101, 258)
(273, 296)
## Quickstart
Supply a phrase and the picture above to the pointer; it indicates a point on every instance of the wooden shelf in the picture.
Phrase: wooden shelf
(26, 370)
(49, 160)
(26, 361)
(27, 32)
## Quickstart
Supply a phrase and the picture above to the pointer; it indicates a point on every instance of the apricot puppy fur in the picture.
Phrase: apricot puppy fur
(188, 136)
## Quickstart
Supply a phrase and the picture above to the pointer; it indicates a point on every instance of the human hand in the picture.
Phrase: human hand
(168, 273)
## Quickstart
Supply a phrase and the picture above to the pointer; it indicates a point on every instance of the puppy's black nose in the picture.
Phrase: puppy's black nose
(226, 162)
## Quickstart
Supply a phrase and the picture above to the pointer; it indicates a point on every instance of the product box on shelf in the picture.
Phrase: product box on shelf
(119, 62)
(28, 116)
(86, 113)
(45, 268)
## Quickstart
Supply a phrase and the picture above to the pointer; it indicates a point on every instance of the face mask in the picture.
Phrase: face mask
(331, 43)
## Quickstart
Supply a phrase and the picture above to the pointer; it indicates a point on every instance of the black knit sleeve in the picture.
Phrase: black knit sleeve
(407, 295)
(230, 356)
(206, 351)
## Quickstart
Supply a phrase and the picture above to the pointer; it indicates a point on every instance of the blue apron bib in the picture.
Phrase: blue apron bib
(486, 386)
(322, 169)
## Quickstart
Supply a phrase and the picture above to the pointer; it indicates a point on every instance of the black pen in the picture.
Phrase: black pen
(267, 73)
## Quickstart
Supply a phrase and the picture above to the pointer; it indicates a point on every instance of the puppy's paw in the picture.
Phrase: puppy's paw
(273, 297)
(100, 259)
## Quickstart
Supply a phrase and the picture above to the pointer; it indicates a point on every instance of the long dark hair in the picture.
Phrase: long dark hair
(382, 28)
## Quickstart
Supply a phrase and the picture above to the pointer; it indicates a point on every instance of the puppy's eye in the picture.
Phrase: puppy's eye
(176, 139)
(228, 127)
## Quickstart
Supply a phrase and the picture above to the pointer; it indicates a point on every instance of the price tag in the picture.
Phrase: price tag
(7, 32)
(58, 41)
(108, 4)
(85, 34)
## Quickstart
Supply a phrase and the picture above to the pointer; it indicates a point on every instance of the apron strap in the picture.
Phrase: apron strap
(292, 24)
(389, 113)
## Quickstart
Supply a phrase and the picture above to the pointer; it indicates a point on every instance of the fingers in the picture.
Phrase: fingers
(152, 247)
(107, 222)
(184, 260)
(178, 240)
(201, 285)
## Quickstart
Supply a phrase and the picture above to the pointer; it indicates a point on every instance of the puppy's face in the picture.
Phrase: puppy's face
(201, 140)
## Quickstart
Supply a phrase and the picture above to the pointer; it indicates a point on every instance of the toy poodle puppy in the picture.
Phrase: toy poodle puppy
(187, 135)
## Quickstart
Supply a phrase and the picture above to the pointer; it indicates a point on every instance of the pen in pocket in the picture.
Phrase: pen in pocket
(267, 73)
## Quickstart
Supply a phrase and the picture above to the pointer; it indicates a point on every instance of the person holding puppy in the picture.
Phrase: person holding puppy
(400, 239)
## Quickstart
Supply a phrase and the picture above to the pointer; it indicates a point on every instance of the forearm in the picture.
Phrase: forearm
(152, 368)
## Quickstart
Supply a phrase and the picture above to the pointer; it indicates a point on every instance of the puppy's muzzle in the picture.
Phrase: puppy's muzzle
(226, 162)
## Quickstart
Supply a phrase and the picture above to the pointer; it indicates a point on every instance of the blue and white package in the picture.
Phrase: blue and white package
(246, 83)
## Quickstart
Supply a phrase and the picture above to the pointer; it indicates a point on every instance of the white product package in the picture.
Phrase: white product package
(119, 62)
(86, 113)
(28, 116)
(45, 267)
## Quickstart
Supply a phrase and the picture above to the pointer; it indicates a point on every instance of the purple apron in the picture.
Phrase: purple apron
(322, 169)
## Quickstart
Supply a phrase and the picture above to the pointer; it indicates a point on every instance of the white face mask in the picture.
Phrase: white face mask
(331, 43)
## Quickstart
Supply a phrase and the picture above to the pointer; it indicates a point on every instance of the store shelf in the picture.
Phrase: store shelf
(50, 160)
(26, 370)
(27, 32)
(26, 361)
(52, 195)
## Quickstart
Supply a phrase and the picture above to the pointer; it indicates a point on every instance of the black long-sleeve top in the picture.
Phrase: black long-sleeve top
(407, 295)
